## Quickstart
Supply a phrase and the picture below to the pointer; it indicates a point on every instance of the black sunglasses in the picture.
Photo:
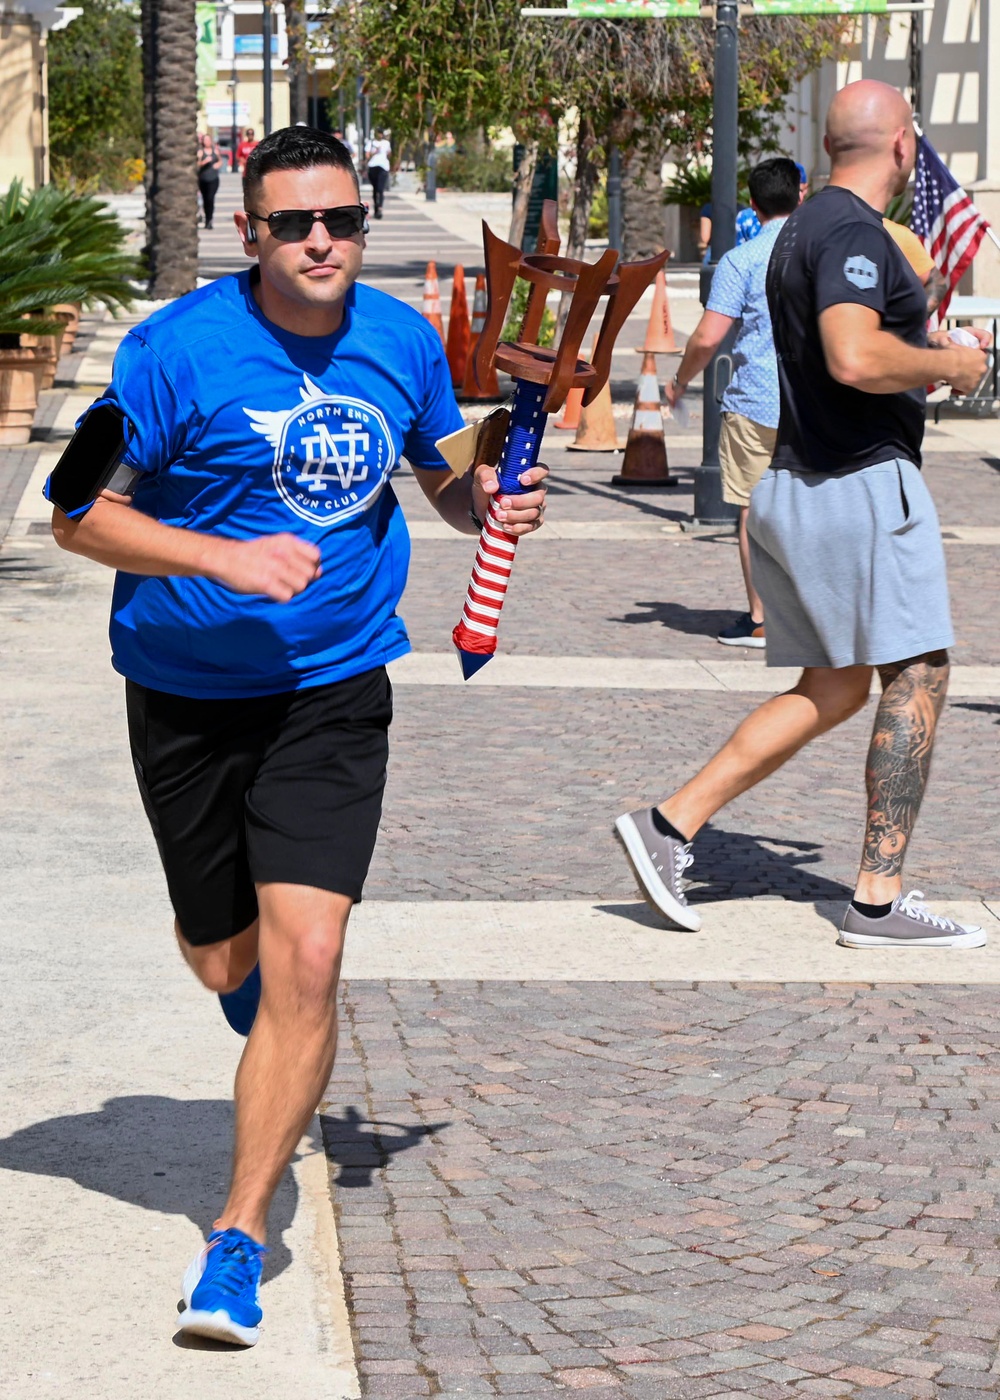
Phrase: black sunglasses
(295, 225)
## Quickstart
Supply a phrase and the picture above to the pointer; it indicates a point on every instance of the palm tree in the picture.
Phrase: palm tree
(171, 111)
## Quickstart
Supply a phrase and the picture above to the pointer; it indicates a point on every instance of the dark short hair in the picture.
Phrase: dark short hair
(294, 148)
(774, 186)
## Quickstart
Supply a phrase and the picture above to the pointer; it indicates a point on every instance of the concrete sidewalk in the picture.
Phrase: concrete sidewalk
(116, 1114)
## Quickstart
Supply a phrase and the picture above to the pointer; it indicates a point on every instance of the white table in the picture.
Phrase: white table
(978, 309)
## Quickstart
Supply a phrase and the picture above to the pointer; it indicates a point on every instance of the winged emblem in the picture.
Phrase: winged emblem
(271, 424)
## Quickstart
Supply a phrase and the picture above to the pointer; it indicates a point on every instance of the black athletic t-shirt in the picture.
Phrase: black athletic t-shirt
(834, 249)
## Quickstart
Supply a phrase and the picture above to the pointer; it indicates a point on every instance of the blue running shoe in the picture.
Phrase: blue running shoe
(222, 1289)
(240, 1007)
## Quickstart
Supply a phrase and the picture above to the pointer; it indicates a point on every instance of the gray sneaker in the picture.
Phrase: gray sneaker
(658, 862)
(909, 925)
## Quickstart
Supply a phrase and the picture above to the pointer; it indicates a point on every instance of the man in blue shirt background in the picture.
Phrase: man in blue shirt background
(748, 225)
(260, 562)
(750, 403)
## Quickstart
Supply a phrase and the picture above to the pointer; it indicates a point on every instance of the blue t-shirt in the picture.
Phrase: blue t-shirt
(747, 226)
(739, 291)
(242, 429)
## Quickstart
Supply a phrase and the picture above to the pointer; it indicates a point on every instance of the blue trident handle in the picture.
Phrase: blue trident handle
(524, 435)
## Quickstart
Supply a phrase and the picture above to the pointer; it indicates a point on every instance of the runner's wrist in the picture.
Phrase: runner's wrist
(213, 556)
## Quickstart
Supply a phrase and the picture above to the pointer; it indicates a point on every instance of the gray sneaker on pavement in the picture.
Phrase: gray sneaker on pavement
(909, 925)
(658, 862)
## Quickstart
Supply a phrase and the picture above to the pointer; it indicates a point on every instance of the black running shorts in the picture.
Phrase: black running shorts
(283, 788)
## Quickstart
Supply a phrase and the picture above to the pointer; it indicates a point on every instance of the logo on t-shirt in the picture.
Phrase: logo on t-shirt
(861, 272)
(332, 454)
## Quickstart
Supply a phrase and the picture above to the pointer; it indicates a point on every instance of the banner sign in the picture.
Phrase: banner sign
(220, 114)
(205, 51)
(692, 9)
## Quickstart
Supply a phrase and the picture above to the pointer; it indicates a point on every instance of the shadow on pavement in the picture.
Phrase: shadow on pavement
(981, 707)
(360, 1147)
(166, 1155)
(695, 622)
(736, 865)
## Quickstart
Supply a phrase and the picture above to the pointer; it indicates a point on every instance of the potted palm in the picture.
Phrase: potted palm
(57, 250)
(92, 243)
(32, 274)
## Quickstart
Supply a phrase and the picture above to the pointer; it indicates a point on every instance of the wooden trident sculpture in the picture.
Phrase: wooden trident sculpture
(542, 379)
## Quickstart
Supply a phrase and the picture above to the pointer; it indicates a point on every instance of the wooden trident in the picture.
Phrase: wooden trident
(542, 379)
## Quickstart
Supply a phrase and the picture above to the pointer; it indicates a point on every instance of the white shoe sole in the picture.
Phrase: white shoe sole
(651, 887)
(974, 939)
(219, 1326)
(759, 642)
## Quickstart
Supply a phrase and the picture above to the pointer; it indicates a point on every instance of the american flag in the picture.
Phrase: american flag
(945, 220)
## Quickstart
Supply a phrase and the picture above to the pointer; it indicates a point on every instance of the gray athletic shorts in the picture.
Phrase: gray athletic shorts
(850, 566)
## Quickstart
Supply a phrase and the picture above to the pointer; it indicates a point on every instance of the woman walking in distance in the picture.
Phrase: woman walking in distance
(378, 155)
(209, 165)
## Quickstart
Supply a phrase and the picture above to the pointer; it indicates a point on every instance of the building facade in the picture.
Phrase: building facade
(24, 123)
(956, 65)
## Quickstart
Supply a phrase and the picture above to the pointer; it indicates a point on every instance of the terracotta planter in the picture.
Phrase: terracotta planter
(47, 352)
(69, 313)
(18, 395)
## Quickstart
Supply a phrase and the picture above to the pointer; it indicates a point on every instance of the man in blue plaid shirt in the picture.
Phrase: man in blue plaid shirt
(750, 403)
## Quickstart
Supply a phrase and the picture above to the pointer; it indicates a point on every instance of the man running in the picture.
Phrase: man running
(750, 403)
(845, 544)
(261, 560)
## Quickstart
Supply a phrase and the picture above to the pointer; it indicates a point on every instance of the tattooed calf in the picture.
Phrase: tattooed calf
(899, 757)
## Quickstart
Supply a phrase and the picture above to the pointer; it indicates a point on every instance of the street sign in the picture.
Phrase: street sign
(220, 114)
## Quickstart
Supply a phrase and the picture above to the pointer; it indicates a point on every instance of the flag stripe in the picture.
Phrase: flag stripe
(945, 220)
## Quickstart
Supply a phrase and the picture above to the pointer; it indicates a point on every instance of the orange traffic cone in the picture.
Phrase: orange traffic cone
(596, 431)
(457, 348)
(569, 419)
(432, 299)
(470, 389)
(645, 462)
(660, 331)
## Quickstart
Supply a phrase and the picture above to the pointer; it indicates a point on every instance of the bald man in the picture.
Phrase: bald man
(845, 545)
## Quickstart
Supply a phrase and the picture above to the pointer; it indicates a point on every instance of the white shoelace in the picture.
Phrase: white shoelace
(913, 909)
(682, 859)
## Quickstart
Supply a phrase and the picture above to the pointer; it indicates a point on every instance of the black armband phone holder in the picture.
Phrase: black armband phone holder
(92, 463)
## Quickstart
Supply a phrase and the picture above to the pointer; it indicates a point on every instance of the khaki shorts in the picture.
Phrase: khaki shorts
(745, 452)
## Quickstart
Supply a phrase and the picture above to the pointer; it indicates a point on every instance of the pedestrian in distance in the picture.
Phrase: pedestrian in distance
(346, 141)
(750, 403)
(378, 154)
(748, 224)
(209, 165)
(933, 281)
(261, 559)
(845, 543)
(248, 144)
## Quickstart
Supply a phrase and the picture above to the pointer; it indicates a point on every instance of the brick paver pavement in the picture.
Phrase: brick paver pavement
(669, 1191)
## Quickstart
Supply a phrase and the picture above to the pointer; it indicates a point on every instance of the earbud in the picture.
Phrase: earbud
(366, 226)
(251, 232)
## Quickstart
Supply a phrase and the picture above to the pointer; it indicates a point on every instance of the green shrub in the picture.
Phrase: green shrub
(95, 97)
(597, 226)
(515, 315)
(489, 172)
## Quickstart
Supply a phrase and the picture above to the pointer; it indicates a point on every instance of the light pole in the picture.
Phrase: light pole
(430, 179)
(709, 507)
(267, 31)
(234, 130)
(615, 197)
